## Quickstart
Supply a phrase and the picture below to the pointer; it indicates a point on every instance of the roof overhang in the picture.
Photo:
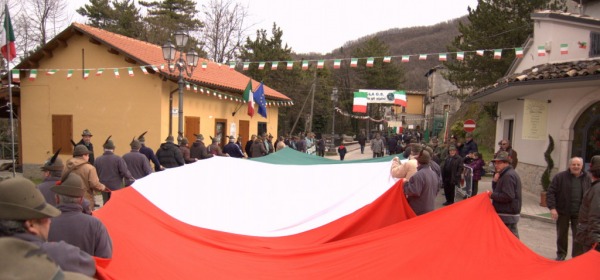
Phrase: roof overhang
(516, 90)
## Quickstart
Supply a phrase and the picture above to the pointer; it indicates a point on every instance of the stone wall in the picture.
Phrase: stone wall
(32, 171)
(531, 176)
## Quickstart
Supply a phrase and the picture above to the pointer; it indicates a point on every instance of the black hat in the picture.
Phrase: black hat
(71, 185)
(170, 139)
(184, 141)
(199, 137)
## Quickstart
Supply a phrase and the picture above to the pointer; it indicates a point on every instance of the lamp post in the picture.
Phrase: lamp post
(334, 99)
(186, 65)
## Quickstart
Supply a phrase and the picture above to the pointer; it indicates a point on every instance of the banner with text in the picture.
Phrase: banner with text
(385, 96)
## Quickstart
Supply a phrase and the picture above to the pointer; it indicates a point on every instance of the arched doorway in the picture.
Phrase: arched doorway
(586, 141)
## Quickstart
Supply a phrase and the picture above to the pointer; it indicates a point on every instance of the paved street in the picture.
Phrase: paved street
(537, 234)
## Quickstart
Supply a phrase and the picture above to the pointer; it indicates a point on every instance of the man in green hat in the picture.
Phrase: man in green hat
(112, 170)
(52, 169)
(506, 197)
(86, 137)
(73, 226)
(81, 166)
(137, 163)
(24, 214)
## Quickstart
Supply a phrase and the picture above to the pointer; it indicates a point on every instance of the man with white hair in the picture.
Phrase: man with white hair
(564, 198)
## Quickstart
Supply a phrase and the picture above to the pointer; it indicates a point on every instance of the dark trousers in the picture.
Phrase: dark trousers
(562, 236)
(513, 228)
(475, 188)
(105, 196)
(362, 149)
(449, 192)
(376, 155)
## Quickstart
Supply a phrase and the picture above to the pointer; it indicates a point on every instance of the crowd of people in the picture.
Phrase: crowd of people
(56, 214)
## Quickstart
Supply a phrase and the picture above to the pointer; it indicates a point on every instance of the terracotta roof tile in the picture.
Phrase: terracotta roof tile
(149, 54)
(563, 70)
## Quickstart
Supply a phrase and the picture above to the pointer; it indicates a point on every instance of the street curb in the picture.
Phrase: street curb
(537, 217)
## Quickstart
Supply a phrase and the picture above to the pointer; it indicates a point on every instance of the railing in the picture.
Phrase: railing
(466, 182)
(6, 150)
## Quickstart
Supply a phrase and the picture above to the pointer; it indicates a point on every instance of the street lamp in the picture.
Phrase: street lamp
(186, 65)
(334, 99)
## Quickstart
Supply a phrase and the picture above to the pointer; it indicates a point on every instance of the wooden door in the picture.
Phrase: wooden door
(192, 126)
(62, 134)
(244, 132)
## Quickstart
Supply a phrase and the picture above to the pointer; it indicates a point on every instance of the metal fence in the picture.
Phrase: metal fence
(6, 150)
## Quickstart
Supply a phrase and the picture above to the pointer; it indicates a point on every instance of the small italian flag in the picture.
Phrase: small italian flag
(246, 65)
(16, 75)
(204, 65)
(497, 53)
(143, 68)
(387, 59)
(353, 62)
(442, 57)
(195, 88)
(479, 52)
(370, 61)
(162, 66)
(337, 64)
(541, 51)
(70, 74)
(360, 102)
(51, 72)
(274, 65)
(116, 71)
(400, 98)
(320, 64)
(261, 65)
(564, 48)
(86, 74)
(519, 52)
(154, 68)
(187, 86)
(405, 58)
(305, 65)
(460, 56)
(130, 71)
(32, 74)
(290, 65)
(99, 72)
(422, 57)
(231, 65)
(172, 67)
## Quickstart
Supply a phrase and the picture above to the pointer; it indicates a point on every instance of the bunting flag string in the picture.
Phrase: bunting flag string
(289, 65)
(346, 114)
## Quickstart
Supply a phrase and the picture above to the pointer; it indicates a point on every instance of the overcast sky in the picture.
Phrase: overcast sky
(324, 25)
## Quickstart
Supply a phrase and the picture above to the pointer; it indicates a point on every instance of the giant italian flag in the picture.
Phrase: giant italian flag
(308, 219)
(400, 98)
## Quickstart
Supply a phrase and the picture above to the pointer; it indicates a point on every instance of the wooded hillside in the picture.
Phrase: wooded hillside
(409, 41)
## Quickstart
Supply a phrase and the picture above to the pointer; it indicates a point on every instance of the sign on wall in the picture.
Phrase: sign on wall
(385, 96)
(535, 119)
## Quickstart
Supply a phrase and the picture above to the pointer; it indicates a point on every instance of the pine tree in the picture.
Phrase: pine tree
(98, 12)
(122, 17)
(494, 24)
(166, 17)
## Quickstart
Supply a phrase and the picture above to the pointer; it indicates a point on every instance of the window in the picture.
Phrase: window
(594, 44)
(262, 128)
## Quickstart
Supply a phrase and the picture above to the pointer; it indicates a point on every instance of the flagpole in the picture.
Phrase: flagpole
(10, 102)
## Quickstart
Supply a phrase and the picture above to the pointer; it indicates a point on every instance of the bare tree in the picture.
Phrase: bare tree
(224, 29)
(48, 17)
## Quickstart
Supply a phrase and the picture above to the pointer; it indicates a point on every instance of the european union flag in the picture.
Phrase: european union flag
(259, 98)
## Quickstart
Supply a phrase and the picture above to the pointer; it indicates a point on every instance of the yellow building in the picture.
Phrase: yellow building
(88, 78)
